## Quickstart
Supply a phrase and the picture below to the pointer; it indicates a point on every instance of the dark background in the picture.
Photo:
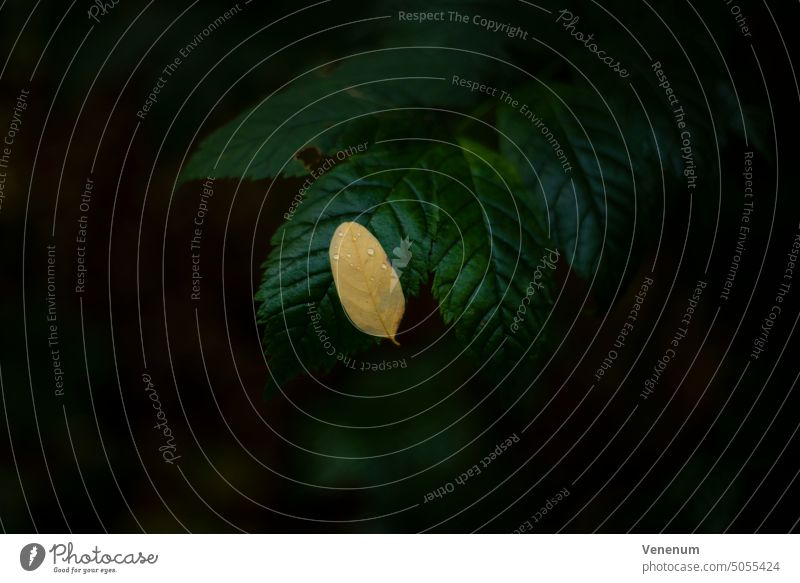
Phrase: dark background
(713, 450)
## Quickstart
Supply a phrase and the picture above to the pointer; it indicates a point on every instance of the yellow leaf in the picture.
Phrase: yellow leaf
(367, 284)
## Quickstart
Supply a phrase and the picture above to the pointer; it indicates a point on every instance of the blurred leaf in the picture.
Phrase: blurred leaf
(319, 109)
(593, 223)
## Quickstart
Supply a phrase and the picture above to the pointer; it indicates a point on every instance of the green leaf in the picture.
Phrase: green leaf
(463, 208)
(385, 190)
(594, 223)
(321, 107)
(487, 253)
